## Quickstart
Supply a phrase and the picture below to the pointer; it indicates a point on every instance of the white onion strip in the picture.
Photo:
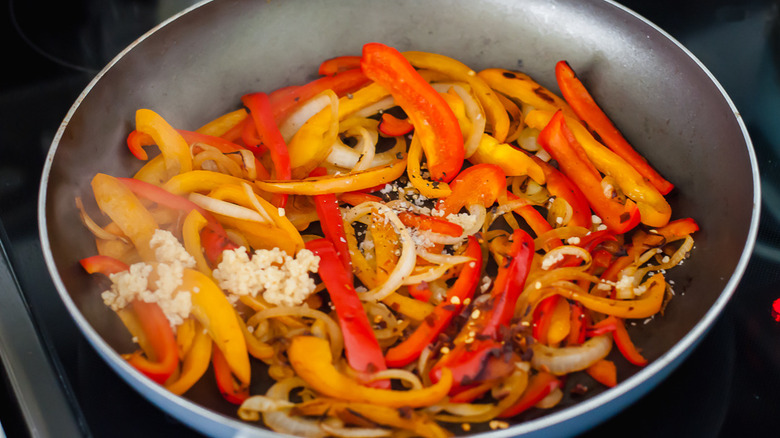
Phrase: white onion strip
(282, 421)
(255, 203)
(354, 432)
(406, 261)
(565, 360)
(430, 274)
(334, 331)
(226, 208)
(382, 105)
(440, 259)
(398, 374)
(366, 148)
(307, 110)
(557, 255)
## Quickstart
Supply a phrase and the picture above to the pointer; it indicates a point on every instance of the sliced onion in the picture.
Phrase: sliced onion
(565, 360)
(283, 422)
(674, 260)
(255, 203)
(440, 259)
(382, 105)
(367, 149)
(428, 275)
(557, 254)
(354, 432)
(398, 374)
(336, 338)
(474, 112)
(250, 409)
(304, 112)
(250, 164)
(92, 226)
(550, 400)
(406, 261)
(226, 208)
(223, 162)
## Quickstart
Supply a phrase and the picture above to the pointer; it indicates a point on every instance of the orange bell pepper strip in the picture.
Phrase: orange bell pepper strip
(102, 264)
(532, 217)
(542, 318)
(603, 371)
(312, 361)
(559, 185)
(558, 140)
(589, 111)
(497, 117)
(425, 334)
(360, 344)
(339, 64)
(647, 305)
(478, 184)
(233, 391)
(621, 337)
(539, 386)
(430, 223)
(173, 147)
(346, 182)
(120, 204)
(433, 120)
(392, 126)
(678, 229)
(260, 109)
(512, 161)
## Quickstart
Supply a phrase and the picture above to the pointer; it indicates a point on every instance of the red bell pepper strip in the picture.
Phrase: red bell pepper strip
(509, 284)
(136, 141)
(579, 319)
(542, 318)
(539, 387)
(251, 139)
(355, 198)
(360, 344)
(678, 229)
(260, 109)
(285, 100)
(213, 236)
(557, 139)
(158, 329)
(621, 337)
(327, 207)
(433, 120)
(392, 126)
(532, 217)
(153, 322)
(430, 223)
(586, 108)
(101, 264)
(478, 184)
(231, 388)
(472, 364)
(425, 334)
(420, 291)
(559, 185)
(339, 64)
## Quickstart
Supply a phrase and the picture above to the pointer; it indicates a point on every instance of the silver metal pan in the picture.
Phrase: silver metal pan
(196, 66)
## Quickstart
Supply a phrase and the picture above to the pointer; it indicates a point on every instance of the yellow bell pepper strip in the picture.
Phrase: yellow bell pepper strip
(339, 64)
(173, 148)
(256, 348)
(478, 184)
(512, 161)
(199, 181)
(604, 371)
(153, 171)
(558, 140)
(212, 309)
(120, 204)
(346, 182)
(353, 412)
(426, 333)
(260, 109)
(427, 188)
(647, 305)
(194, 364)
(232, 391)
(392, 126)
(158, 331)
(495, 113)
(433, 119)
(521, 87)
(539, 386)
(620, 335)
(312, 143)
(654, 209)
(190, 231)
(311, 359)
(589, 111)
(224, 123)
(332, 223)
(360, 344)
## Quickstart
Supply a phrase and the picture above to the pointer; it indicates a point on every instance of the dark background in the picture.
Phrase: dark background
(727, 387)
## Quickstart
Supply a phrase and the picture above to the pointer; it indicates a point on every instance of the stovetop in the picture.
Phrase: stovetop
(729, 386)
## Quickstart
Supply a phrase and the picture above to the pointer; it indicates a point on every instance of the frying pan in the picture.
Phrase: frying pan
(196, 66)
